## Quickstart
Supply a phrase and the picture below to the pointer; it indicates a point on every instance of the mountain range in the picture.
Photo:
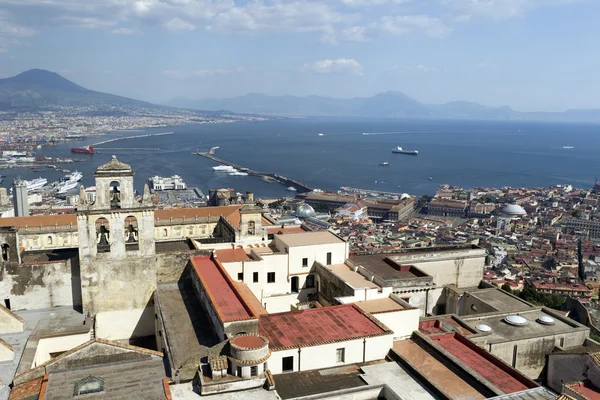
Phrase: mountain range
(41, 89)
(38, 89)
(386, 104)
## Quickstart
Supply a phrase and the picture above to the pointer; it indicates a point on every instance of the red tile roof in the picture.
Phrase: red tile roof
(227, 300)
(232, 255)
(586, 389)
(317, 326)
(27, 389)
(489, 367)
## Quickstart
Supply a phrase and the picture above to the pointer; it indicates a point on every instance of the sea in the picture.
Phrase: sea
(468, 154)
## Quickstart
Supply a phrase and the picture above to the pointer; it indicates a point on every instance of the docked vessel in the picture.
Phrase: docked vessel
(292, 189)
(65, 186)
(35, 184)
(84, 149)
(399, 150)
(73, 176)
(226, 168)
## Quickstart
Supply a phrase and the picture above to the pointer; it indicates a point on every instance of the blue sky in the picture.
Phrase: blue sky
(529, 54)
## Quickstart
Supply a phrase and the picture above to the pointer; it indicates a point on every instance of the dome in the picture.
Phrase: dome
(515, 320)
(514, 210)
(545, 320)
(483, 328)
(305, 211)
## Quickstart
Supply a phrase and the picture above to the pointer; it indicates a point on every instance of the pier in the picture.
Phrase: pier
(301, 187)
(131, 137)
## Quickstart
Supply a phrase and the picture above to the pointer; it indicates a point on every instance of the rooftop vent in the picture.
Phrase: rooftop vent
(483, 328)
(516, 320)
(545, 320)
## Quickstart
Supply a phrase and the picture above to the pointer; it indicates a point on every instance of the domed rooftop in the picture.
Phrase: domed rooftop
(305, 211)
(514, 210)
(114, 166)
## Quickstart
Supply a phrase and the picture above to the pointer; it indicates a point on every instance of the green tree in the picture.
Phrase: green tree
(506, 287)
(576, 213)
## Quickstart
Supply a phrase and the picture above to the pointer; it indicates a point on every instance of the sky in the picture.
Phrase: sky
(533, 55)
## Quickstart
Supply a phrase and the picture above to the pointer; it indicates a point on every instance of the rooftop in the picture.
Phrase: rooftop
(306, 383)
(386, 269)
(451, 383)
(489, 367)
(386, 304)
(398, 379)
(184, 323)
(232, 255)
(225, 297)
(316, 326)
(352, 278)
(309, 239)
(500, 300)
(502, 331)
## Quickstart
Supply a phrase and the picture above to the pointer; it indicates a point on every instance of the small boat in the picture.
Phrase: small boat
(292, 189)
(430, 178)
(384, 164)
(320, 134)
(568, 147)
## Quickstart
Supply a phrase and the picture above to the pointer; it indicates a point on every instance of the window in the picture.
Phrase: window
(165, 233)
(562, 342)
(49, 240)
(340, 355)
(91, 384)
(270, 277)
(253, 371)
(310, 281)
(295, 284)
(240, 276)
(7, 303)
(255, 277)
(287, 364)
(328, 258)
(251, 228)
(239, 371)
(5, 248)
(305, 262)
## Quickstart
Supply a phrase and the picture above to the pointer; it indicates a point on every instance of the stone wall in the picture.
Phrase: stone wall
(40, 285)
(330, 285)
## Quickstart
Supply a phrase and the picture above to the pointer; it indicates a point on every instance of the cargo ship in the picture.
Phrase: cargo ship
(399, 150)
(84, 150)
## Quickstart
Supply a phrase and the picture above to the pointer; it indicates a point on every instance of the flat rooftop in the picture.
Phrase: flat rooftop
(225, 297)
(176, 245)
(380, 305)
(186, 326)
(500, 300)
(232, 255)
(433, 370)
(489, 367)
(317, 325)
(398, 379)
(504, 332)
(386, 269)
(354, 279)
(307, 383)
(309, 239)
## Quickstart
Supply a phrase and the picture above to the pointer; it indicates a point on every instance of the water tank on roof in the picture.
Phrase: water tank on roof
(483, 328)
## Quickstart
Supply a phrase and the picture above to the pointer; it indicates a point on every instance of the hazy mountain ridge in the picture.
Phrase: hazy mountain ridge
(39, 88)
(386, 104)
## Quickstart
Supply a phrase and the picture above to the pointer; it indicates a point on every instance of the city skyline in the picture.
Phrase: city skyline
(517, 53)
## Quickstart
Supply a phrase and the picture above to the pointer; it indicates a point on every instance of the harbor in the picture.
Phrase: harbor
(266, 176)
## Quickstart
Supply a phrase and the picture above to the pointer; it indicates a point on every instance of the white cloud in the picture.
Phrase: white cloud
(404, 24)
(419, 69)
(125, 31)
(172, 73)
(220, 71)
(178, 25)
(498, 9)
(366, 3)
(341, 65)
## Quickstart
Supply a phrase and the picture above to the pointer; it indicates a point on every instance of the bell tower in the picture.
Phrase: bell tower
(116, 245)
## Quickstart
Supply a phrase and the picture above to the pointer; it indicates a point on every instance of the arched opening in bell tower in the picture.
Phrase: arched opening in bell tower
(102, 235)
(131, 233)
(114, 194)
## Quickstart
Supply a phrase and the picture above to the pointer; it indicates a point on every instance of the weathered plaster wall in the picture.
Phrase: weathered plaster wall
(39, 285)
